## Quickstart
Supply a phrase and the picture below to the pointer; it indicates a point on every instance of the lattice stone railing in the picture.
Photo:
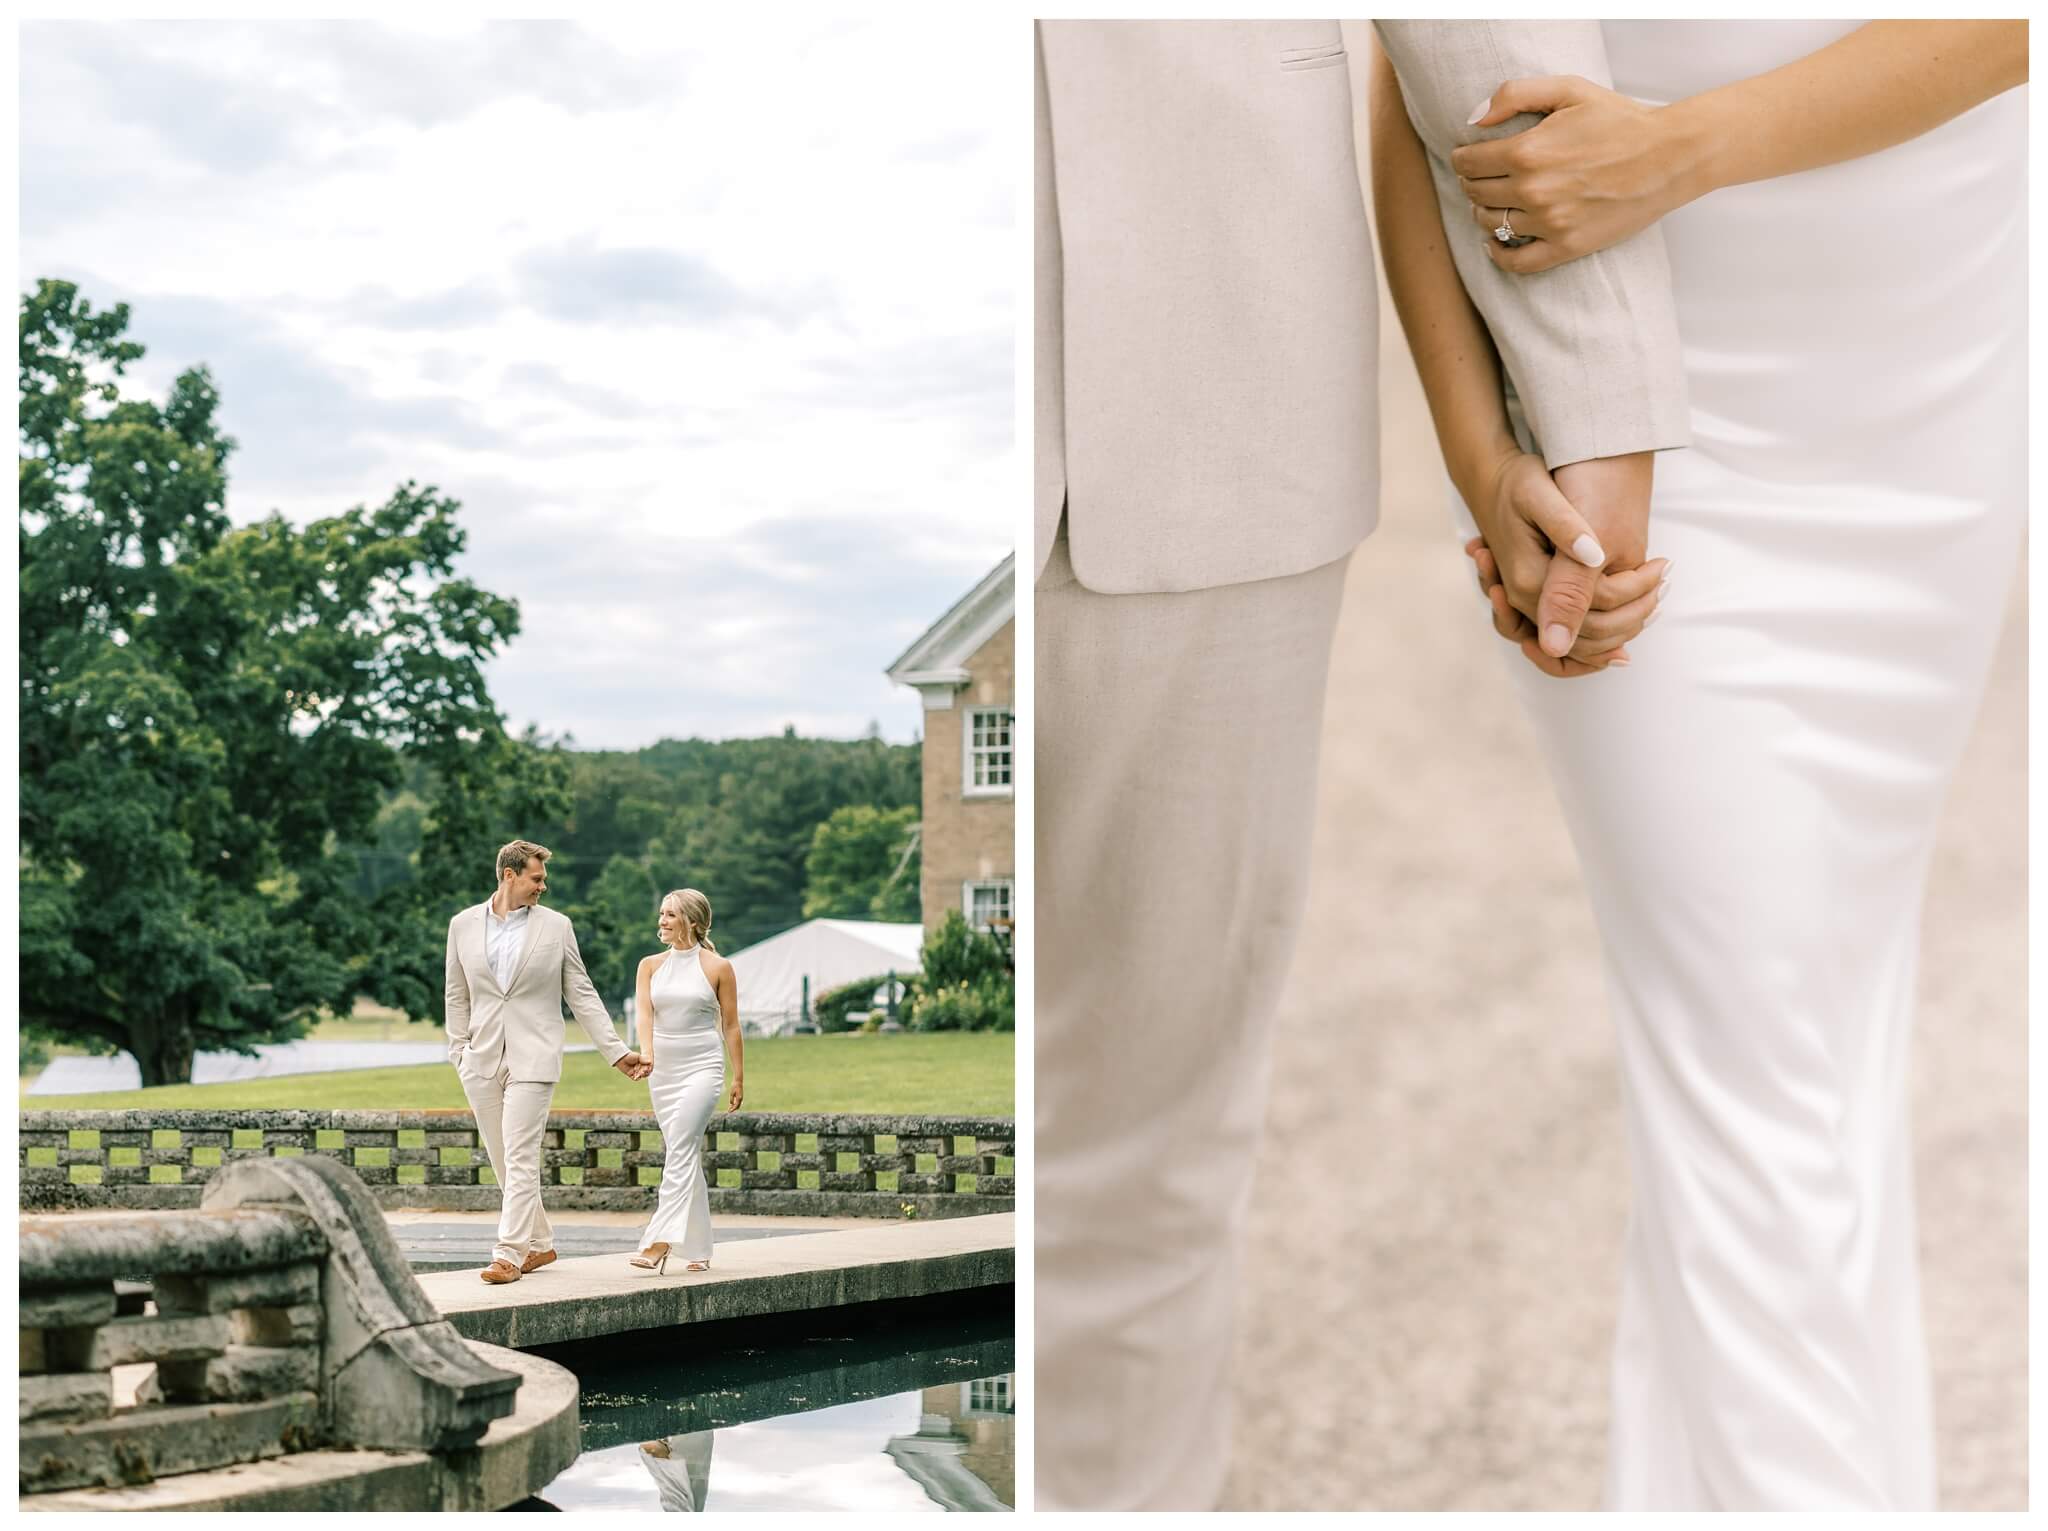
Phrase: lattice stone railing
(278, 1318)
(759, 1161)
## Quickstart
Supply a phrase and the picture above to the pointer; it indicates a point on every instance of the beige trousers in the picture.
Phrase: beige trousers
(1176, 763)
(512, 1119)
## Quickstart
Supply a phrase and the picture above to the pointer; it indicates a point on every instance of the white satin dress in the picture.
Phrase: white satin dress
(1754, 800)
(689, 1074)
(682, 1479)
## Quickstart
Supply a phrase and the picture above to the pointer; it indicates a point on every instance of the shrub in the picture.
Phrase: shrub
(831, 1008)
(954, 1008)
(956, 953)
(966, 985)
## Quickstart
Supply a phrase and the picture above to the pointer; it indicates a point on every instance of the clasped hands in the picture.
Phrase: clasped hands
(1597, 168)
(1560, 558)
(633, 1066)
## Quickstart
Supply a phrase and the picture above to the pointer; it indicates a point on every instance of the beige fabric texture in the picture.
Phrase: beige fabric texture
(1216, 320)
(520, 1027)
(1591, 347)
(1205, 327)
(1176, 769)
(1207, 455)
(512, 1118)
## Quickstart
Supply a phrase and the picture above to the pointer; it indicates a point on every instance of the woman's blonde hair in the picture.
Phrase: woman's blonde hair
(695, 910)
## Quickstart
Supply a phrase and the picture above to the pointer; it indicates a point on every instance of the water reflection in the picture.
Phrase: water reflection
(963, 1445)
(681, 1465)
(910, 1416)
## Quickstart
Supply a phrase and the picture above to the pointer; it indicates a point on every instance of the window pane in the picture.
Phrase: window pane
(989, 746)
(987, 902)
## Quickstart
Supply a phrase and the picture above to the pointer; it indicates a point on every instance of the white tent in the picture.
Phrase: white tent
(771, 973)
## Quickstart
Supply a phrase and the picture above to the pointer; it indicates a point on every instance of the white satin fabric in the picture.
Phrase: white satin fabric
(689, 1074)
(683, 1477)
(1754, 800)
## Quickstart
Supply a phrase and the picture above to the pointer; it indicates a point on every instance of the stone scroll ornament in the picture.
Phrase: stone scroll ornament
(287, 1320)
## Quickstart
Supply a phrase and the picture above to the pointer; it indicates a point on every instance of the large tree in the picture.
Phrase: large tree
(211, 714)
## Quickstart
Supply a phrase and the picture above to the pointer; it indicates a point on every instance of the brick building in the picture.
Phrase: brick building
(965, 668)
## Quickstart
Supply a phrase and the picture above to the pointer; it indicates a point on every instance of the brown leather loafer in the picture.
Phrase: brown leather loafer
(498, 1272)
(536, 1260)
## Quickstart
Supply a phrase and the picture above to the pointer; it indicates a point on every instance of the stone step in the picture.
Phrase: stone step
(517, 1454)
(158, 1442)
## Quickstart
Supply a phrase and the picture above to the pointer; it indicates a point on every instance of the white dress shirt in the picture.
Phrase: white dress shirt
(503, 939)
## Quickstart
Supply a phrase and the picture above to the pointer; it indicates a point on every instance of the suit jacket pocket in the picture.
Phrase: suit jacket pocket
(543, 961)
(1293, 59)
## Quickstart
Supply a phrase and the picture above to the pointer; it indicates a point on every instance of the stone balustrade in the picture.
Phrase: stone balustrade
(819, 1165)
(277, 1318)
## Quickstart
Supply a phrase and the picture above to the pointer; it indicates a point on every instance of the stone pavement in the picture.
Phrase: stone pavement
(873, 1261)
(436, 1240)
(1436, 1234)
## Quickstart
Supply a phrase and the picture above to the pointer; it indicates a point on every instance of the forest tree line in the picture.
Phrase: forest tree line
(773, 831)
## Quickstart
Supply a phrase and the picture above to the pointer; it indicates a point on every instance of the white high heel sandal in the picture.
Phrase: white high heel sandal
(657, 1263)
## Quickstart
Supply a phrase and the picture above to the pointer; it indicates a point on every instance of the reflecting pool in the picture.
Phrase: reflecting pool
(852, 1409)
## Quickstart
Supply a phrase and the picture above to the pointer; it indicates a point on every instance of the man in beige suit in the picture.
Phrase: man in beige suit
(511, 966)
(1206, 461)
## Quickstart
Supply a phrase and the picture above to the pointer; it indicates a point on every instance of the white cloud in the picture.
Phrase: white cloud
(640, 295)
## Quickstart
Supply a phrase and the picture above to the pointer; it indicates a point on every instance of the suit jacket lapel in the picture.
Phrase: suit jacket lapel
(481, 926)
(526, 946)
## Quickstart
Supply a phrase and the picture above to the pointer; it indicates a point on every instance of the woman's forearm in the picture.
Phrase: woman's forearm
(1884, 83)
(1453, 352)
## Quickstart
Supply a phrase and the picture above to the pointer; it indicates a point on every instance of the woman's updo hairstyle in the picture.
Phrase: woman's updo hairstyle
(695, 911)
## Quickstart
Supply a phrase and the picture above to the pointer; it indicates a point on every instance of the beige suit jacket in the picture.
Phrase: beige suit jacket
(1206, 315)
(520, 1025)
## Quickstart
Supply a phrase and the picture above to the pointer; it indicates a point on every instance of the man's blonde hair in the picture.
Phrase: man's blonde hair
(513, 857)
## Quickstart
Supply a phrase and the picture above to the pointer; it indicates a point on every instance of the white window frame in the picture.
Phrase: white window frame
(967, 751)
(1001, 1392)
(1009, 887)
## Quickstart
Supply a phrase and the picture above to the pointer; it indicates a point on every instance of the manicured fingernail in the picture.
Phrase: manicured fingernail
(1620, 662)
(1557, 639)
(1662, 586)
(1655, 613)
(1588, 552)
(1479, 111)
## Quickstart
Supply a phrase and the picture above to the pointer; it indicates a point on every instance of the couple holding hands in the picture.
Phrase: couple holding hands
(512, 965)
(1741, 299)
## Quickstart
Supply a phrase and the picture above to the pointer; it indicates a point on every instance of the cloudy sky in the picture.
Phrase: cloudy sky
(709, 329)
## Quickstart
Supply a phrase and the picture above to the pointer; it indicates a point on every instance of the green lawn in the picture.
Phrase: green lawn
(951, 1073)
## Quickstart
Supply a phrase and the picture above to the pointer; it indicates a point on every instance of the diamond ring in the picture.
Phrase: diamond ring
(1506, 232)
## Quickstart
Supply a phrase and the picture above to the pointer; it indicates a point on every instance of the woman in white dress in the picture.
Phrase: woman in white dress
(691, 1001)
(1754, 799)
(681, 1468)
